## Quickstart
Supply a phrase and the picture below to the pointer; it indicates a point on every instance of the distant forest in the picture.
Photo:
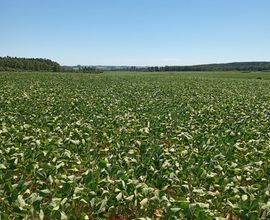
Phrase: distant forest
(38, 64)
(241, 66)
(238, 66)
(28, 64)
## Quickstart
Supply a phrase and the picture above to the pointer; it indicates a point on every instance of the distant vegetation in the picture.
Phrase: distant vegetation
(81, 69)
(240, 66)
(28, 64)
(39, 64)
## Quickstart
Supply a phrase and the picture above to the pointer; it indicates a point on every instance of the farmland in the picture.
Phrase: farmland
(122, 145)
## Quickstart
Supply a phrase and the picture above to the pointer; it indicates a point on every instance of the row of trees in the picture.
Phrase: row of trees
(80, 69)
(241, 66)
(37, 64)
(28, 64)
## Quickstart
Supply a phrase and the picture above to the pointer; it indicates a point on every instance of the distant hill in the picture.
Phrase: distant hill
(241, 66)
(38, 64)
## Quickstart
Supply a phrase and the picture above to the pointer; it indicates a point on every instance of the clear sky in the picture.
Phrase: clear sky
(136, 32)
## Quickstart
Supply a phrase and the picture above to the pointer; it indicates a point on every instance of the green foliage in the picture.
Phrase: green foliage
(80, 69)
(126, 146)
(28, 64)
(240, 66)
(237, 66)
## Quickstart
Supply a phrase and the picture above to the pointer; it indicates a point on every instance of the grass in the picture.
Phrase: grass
(122, 145)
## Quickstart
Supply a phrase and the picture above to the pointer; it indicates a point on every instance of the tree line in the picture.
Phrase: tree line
(80, 69)
(28, 64)
(238, 66)
(38, 64)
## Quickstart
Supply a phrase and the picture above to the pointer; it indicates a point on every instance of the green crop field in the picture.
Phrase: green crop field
(121, 145)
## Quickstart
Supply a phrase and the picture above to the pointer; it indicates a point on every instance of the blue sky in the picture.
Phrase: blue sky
(136, 32)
